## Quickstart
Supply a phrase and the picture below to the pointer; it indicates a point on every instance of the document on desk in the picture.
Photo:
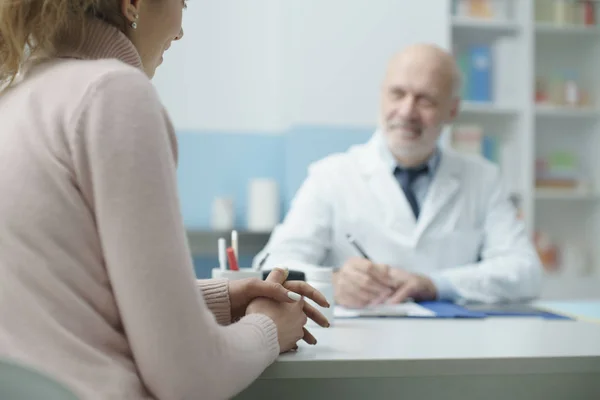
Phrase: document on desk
(385, 310)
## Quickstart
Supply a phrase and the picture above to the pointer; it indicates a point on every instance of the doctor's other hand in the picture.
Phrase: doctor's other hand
(360, 283)
(408, 285)
(289, 318)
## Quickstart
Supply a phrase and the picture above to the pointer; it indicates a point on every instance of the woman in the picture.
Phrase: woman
(97, 284)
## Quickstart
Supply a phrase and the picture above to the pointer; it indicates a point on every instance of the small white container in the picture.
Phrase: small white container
(321, 278)
(263, 205)
(223, 214)
(243, 273)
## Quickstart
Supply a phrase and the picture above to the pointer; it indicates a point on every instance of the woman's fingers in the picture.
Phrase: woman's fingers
(272, 289)
(304, 289)
(316, 316)
(308, 337)
(277, 275)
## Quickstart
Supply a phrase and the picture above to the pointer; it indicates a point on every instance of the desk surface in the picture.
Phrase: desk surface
(410, 347)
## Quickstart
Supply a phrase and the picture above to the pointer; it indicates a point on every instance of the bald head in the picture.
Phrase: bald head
(430, 58)
(419, 95)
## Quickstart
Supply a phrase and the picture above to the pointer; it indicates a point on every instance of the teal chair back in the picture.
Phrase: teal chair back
(18, 382)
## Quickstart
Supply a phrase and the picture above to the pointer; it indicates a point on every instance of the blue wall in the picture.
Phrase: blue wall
(222, 164)
(307, 144)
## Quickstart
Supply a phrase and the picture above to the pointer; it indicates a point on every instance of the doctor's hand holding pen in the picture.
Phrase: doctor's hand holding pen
(361, 283)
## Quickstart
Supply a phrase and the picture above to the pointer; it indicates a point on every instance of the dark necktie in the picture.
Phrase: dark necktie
(406, 178)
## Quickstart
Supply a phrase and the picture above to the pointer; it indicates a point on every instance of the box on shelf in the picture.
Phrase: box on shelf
(475, 65)
(469, 139)
(565, 257)
(566, 12)
(560, 171)
(480, 73)
(563, 88)
(483, 9)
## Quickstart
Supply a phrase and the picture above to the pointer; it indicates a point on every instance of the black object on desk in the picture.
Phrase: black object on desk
(292, 275)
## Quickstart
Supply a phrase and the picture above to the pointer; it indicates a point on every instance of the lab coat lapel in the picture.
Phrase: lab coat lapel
(444, 187)
(387, 191)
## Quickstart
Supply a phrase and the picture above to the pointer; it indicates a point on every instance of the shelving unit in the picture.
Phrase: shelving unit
(566, 112)
(548, 28)
(481, 108)
(557, 194)
(525, 47)
(508, 118)
(498, 27)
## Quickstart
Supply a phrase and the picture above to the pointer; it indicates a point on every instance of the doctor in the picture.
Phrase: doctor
(433, 224)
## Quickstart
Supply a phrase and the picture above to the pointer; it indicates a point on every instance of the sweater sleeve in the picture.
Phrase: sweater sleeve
(123, 156)
(216, 296)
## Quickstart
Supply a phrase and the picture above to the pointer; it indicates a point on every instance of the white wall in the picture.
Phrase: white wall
(223, 75)
(336, 52)
(261, 65)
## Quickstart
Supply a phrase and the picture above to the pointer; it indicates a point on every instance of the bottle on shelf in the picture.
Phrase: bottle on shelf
(588, 11)
(571, 94)
(562, 12)
(547, 250)
(541, 91)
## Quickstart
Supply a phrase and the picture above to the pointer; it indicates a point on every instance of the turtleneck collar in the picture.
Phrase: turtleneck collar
(100, 41)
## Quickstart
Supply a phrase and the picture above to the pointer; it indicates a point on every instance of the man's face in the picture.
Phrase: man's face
(417, 100)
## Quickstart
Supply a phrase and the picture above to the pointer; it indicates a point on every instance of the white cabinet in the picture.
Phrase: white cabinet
(544, 114)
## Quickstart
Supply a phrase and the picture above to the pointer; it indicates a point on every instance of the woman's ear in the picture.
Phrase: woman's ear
(131, 11)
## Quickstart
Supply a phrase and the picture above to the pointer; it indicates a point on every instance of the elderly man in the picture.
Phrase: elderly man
(400, 218)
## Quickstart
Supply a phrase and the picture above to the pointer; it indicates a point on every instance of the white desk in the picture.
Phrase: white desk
(500, 358)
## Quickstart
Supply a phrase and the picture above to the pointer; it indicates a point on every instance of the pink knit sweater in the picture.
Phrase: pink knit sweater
(96, 280)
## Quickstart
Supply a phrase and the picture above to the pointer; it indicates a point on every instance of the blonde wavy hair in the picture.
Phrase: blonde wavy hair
(32, 27)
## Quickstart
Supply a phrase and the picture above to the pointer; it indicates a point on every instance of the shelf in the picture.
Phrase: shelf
(481, 108)
(566, 112)
(498, 26)
(564, 194)
(549, 28)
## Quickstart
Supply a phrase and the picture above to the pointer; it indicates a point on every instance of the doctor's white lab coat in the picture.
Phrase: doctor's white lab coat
(467, 232)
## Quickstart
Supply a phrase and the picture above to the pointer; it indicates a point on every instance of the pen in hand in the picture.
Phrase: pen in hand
(262, 262)
(354, 243)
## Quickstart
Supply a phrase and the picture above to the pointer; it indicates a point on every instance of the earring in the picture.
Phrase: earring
(134, 23)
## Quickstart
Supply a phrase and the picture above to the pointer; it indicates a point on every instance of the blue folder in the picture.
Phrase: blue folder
(451, 310)
(444, 309)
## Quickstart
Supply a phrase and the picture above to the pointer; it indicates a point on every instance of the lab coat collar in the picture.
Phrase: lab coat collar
(376, 155)
(444, 186)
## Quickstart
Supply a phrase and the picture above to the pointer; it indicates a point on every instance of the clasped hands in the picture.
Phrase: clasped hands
(362, 283)
(283, 302)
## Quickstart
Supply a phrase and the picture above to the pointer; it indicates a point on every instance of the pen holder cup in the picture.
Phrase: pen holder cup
(243, 273)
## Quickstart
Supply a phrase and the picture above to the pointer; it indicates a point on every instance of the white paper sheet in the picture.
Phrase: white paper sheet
(385, 310)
